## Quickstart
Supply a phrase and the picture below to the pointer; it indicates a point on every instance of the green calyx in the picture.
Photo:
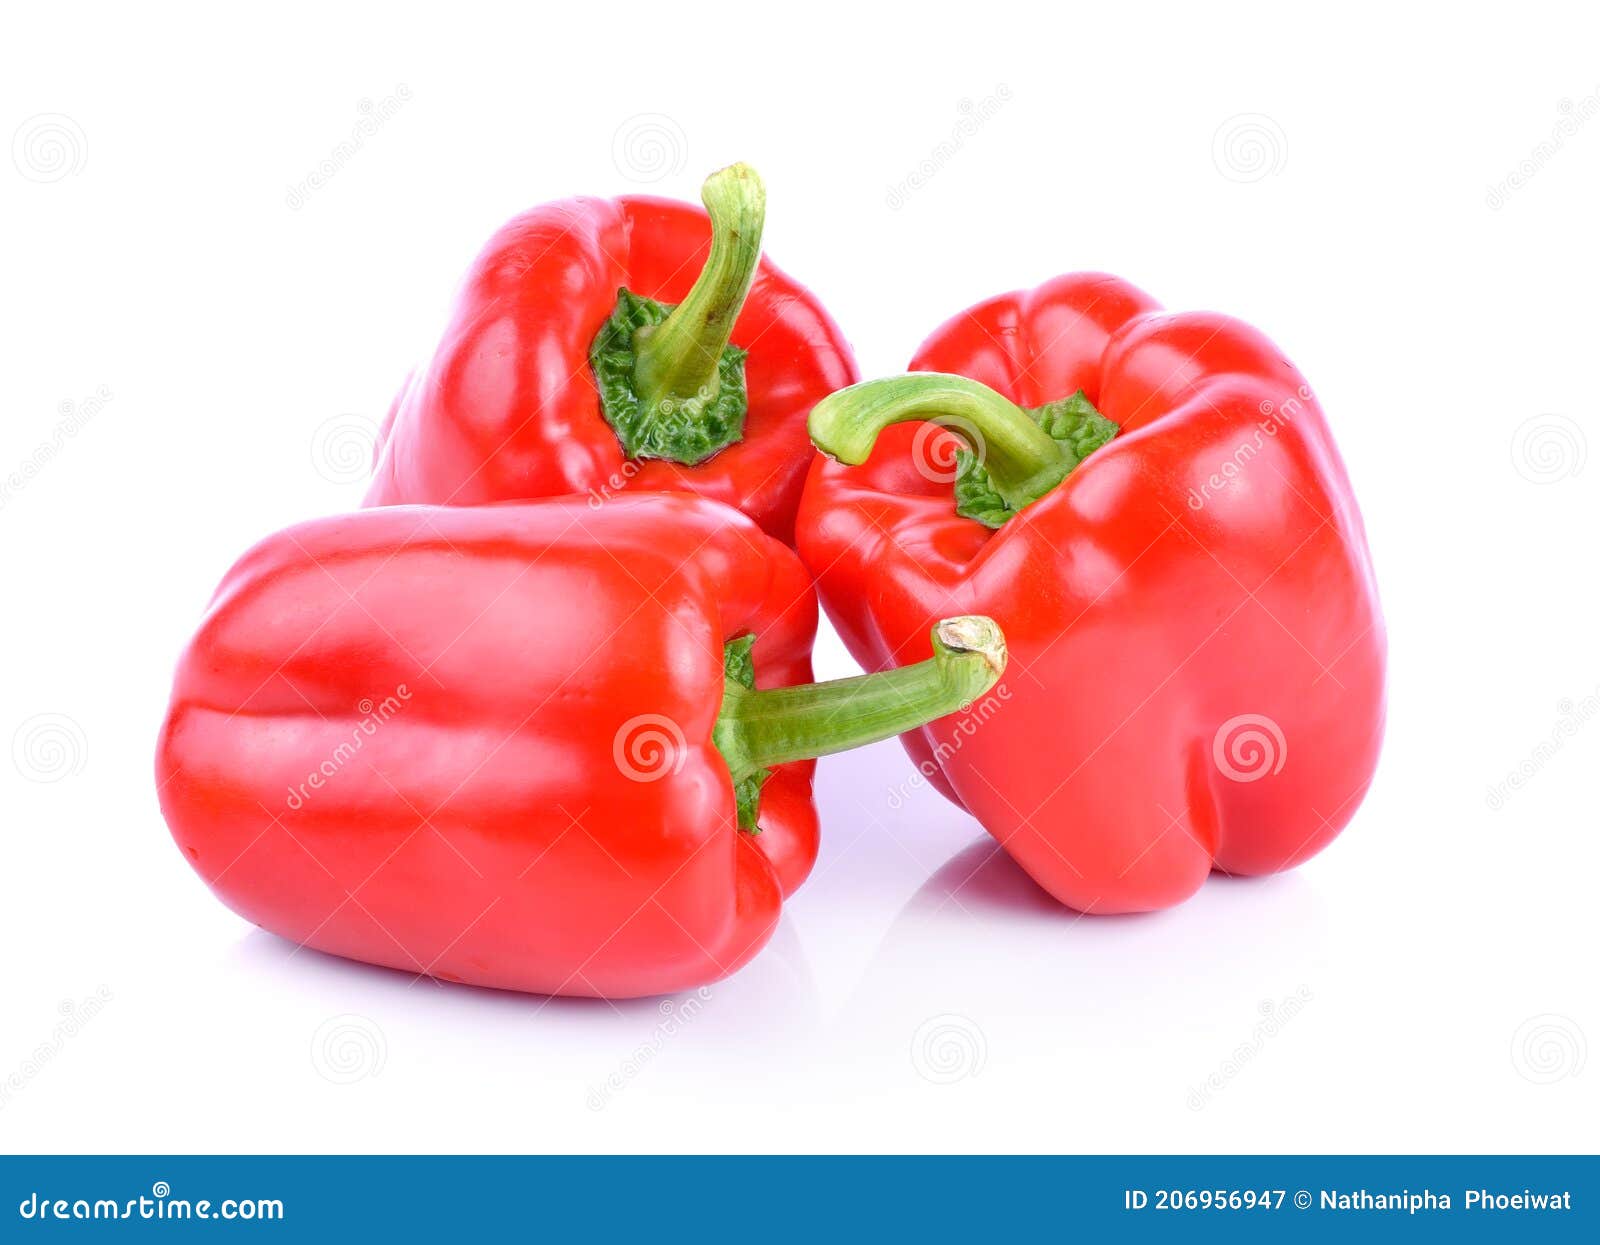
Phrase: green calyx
(671, 384)
(739, 670)
(758, 729)
(1012, 456)
(685, 430)
(1072, 423)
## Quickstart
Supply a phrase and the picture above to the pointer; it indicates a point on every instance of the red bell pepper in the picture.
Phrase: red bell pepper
(520, 746)
(1197, 676)
(585, 355)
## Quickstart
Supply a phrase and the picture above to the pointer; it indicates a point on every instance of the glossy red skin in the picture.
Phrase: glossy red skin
(1138, 623)
(507, 409)
(527, 635)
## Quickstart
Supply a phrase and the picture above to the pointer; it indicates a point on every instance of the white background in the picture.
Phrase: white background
(1427, 983)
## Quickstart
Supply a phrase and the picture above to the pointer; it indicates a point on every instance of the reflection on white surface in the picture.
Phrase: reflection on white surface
(980, 969)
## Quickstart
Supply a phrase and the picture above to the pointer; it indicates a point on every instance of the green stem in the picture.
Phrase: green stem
(1024, 462)
(677, 361)
(759, 729)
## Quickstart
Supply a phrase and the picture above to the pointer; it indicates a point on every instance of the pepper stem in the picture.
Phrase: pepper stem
(759, 729)
(1024, 462)
(677, 361)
